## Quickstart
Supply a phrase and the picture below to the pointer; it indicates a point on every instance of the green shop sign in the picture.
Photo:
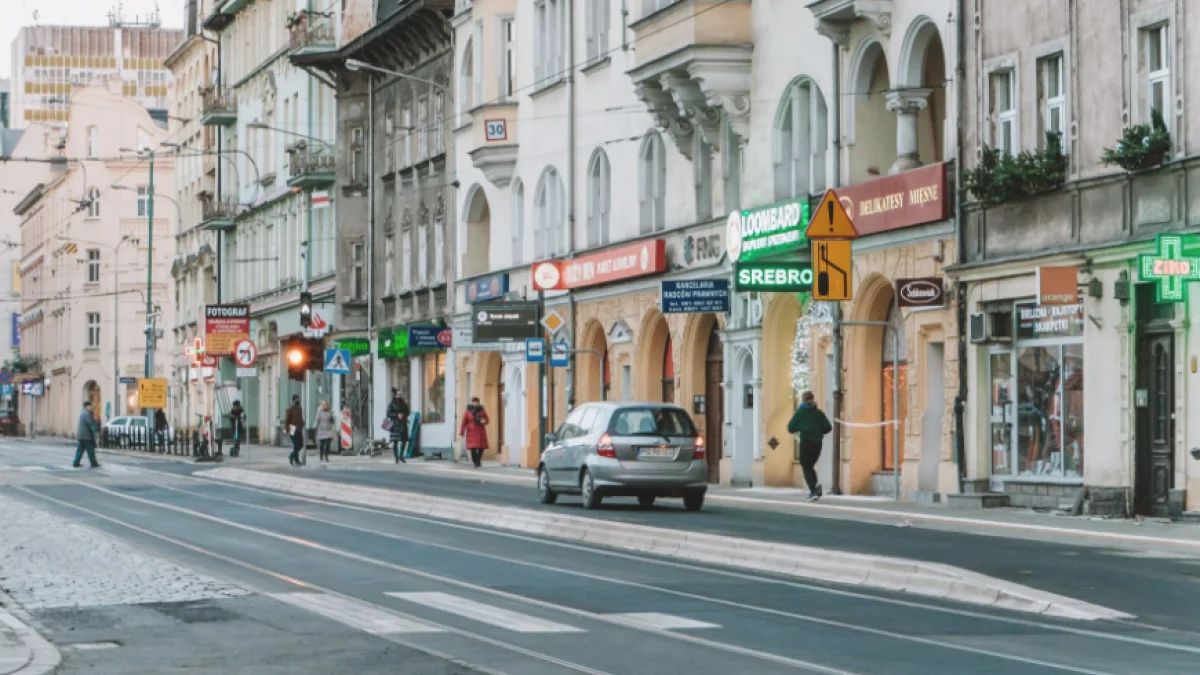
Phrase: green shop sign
(783, 277)
(356, 346)
(767, 230)
(1168, 268)
(394, 344)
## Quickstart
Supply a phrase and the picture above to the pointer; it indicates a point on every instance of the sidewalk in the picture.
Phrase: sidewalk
(22, 650)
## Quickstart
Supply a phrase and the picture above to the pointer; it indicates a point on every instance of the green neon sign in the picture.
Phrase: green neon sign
(356, 346)
(783, 277)
(767, 230)
(1168, 268)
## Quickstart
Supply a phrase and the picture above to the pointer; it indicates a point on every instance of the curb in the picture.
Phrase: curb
(44, 657)
(892, 574)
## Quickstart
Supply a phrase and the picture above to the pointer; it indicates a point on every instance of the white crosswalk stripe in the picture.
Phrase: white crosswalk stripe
(494, 616)
(657, 621)
(363, 616)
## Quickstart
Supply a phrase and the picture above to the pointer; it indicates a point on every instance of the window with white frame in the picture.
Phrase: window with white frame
(406, 129)
(508, 57)
(358, 157)
(93, 142)
(1004, 111)
(518, 222)
(731, 169)
(800, 140)
(358, 278)
(389, 265)
(93, 268)
(389, 131)
(439, 252)
(93, 330)
(439, 123)
(548, 41)
(93, 203)
(466, 79)
(651, 6)
(142, 201)
(599, 202)
(422, 128)
(422, 255)
(406, 260)
(597, 29)
(702, 175)
(652, 183)
(1052, 95)
(1156, 68)
(548, 203)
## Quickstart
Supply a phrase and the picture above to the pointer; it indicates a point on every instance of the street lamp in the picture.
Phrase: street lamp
(355, 65)
(260, 125)
(151, 333)
(178, 211)
(221, 153)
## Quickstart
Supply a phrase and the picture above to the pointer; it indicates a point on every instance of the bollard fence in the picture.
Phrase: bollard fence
(182, 443)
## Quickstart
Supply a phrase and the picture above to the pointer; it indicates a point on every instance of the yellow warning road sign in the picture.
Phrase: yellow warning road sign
(152, 393)
(830, 220)
(832, 265)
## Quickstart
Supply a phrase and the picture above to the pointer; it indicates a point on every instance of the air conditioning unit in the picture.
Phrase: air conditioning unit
(991, 327)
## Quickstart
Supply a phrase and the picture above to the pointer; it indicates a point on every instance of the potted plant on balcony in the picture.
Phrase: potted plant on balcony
(1142, 146)
(1001, 177)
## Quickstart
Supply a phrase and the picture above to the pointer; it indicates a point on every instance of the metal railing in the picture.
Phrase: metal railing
(218, 209)
(217, 100)
(310, 29)
(182, 443)
(306, 158)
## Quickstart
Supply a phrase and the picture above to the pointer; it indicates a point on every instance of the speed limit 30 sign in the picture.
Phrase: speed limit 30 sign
(245, 353)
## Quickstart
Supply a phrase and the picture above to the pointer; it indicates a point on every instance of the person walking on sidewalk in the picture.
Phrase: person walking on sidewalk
(161, 429)
(237, 423)
(474, 429)
(85, 432)
(811, 425)
(294, 425)
(324, 429)
(397, 415)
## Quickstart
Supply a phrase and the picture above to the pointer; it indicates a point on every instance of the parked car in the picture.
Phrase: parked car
(643, 450)
(133, 428)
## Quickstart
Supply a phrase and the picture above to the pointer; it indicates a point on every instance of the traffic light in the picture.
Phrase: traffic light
(302, 354)
(305, 309)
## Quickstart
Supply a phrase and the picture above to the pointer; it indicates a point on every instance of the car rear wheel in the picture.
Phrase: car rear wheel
(545, 494)
(646, 501)
(693, 501)
(587, 491)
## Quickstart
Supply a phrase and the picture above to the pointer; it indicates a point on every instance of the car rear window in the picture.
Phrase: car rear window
(651, 422)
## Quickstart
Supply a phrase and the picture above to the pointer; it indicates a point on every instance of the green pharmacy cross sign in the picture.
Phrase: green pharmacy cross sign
(1169, 268)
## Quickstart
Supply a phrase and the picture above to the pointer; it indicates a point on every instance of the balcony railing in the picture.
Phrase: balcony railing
(217, 214)
(461, 6)
(218, 106)
(312, 165)
(311, 31)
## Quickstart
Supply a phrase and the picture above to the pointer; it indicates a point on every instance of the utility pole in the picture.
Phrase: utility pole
(150, 332)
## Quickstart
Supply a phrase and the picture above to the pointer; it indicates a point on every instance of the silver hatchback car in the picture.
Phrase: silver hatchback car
(643, 450)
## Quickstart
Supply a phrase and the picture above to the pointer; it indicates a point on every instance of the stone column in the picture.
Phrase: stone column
(907, 104)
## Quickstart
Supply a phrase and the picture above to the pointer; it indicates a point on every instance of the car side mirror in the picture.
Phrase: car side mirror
(551, 438)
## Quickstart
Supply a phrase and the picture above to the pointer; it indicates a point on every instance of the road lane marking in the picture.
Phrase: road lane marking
(489, 614)
(354, 613)
(660, 621)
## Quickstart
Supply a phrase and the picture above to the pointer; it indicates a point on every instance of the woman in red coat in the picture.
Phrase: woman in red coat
(474, 428)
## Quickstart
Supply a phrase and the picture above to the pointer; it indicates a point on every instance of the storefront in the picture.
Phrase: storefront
(416, 366)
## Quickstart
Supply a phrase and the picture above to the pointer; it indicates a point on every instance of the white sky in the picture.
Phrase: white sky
(16, 14)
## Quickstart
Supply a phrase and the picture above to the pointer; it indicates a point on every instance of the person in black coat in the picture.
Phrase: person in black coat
(397, 415)
(237, 422)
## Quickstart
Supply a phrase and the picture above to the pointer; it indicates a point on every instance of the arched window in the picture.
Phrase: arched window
(518, 222)
(668, 374)
(93, 203)
(466, 80)
(652, 183)
(549, 219)
(800, 140)
(599, 201)
(93, 142)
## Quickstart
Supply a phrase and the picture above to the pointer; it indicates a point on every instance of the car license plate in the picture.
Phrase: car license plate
(656, 452)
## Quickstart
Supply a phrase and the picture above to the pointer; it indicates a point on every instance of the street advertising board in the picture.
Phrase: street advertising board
(505, 322)
(429, 337)
(624, 262)
(921, 292)
(224, 327)
(491, 287)
(694, 296)
(1058, 285)
(152, 392)
(766, 230)
(898, 201)
(356, 346)
(773, 277)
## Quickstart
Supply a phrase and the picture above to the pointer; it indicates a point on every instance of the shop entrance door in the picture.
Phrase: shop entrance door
(1155, 401)
(714, 406)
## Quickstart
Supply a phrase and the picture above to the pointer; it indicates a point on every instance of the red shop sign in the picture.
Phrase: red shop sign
(906, 199)
(624, 262)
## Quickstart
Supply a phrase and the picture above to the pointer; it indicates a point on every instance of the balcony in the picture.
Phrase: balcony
(461, 6)
(693, 69)
(311, 167)
(217, 214)
(834, 15)
(494, 141)
(311, 32)
(218, 106)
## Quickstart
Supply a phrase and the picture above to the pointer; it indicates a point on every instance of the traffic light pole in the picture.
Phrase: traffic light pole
(542, 393)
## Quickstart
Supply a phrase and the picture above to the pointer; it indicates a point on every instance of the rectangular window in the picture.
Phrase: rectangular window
(358, 164)
(406, 261)
(548, 40)
(433, 394)
(389, 132)
(142, 201)
(422, 256)
(406, 121)
(1004, 111)
(1157, 68)
(389, 265)
(439, 252)
(439, 124)
(93, 268)
(358, 282)
(1052, 95)
(93, 139)
(597, 29)
(93, 330)
(422, 128)
(508, 64)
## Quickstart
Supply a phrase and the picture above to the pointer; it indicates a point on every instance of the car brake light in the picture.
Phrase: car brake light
(698, 453)
(605, 447)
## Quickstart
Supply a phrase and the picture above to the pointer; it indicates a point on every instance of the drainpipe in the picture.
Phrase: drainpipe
(571, 197)
(960, 400)
(836, 486)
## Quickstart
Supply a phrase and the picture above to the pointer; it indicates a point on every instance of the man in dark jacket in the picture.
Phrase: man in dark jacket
(85, 432)
(294, 425)
(237, 422)
(811, 425)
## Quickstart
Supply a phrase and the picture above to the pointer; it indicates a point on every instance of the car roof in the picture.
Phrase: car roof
(620, 405)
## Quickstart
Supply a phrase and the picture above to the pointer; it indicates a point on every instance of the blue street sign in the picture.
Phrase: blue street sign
(559, 355)
(429, 337)
(128, 380)
(492, 287)
(337, 361)
(6, 389)
(535, 350)
(694, 296)
(5, 376)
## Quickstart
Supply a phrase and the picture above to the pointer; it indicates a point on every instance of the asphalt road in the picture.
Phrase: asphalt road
(341, 589)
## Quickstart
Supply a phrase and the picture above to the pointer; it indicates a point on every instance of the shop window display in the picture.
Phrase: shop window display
(433, 404)
(1049, 392)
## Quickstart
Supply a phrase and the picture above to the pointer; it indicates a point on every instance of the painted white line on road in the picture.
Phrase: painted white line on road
(356, 614)
(659, 621)
(493, 616)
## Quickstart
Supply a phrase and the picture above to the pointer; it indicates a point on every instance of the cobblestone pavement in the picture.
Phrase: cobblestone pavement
(48, 561)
